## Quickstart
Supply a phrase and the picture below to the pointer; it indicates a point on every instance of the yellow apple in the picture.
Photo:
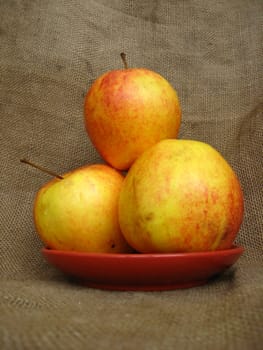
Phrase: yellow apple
(180, 196)
(127, 111)
(80, 211)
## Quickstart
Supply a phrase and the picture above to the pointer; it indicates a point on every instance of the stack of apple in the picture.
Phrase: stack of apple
(155, 193)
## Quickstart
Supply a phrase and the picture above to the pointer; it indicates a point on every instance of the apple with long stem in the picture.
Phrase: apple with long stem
(129, 110)
(78, 211)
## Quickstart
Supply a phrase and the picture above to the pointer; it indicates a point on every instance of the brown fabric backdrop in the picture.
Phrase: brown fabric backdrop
(50, 52)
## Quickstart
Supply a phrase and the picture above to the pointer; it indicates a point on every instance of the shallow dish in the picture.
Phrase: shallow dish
(143, 271)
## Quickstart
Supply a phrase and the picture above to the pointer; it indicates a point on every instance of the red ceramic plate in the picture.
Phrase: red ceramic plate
(143, 271)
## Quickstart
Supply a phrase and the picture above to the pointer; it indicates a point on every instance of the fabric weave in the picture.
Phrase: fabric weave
(50, 53)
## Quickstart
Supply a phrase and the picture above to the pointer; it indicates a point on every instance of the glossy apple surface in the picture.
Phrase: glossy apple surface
(127, 111)
(180, 196)
(79, 212)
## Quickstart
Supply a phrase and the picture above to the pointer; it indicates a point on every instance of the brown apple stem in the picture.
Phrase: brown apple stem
(123, 57)
(41, 168)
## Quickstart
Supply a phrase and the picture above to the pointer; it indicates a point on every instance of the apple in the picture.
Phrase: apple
(129, 110)
(79, 211)
(180, 196)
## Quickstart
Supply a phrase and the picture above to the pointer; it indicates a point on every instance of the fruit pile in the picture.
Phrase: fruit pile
(156, 193)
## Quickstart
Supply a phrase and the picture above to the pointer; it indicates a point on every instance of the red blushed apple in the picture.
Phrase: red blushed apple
(129, 110)
(180, 196)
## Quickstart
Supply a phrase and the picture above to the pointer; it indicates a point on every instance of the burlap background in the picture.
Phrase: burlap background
(50, 52)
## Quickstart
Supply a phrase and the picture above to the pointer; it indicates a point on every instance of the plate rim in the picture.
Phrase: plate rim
(235, 249)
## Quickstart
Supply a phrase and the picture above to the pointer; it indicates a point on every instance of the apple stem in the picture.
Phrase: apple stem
(123, 57)
(41, 168)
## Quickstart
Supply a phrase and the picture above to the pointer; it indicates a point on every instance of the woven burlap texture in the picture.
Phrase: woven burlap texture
(50, 53)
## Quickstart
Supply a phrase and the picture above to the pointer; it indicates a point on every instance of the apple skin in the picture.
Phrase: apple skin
(180, 196)
(127, 111)
(80, 212)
